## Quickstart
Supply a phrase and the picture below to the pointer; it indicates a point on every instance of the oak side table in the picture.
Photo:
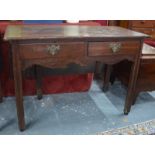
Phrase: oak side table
(59, 46)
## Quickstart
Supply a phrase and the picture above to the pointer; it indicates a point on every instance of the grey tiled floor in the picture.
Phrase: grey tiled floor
(77, 113)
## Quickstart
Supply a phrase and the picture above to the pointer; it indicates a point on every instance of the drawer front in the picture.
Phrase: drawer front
(148, 31)
(52, 50)
(110, 48)
(143, 23)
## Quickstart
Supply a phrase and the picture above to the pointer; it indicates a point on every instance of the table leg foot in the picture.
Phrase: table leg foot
(39, 94)
(126, 111)
(105, 89)
(133, 103)
(22, 130)
(112, 79)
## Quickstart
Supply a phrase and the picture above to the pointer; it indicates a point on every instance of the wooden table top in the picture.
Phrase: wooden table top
(26, 32)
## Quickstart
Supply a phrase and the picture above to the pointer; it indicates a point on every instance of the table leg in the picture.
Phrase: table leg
(18, 88)
(38, 74)
(131, 86)
(135, 97)
(108, 69)
(1, 94)
(97, 72)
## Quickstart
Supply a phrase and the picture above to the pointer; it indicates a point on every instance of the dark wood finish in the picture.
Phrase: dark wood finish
(103, 48)
(40, 51)
(38, 74)
(131, 89)
(107, 74)
(142, 26)
(142, 23)
(1, 94)
(29, 44)
(68, 33)
(97, 72)
(18, 85)
(146, 75)
(148, 31)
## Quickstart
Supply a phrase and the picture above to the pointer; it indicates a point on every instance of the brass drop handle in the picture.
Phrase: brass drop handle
(115, 47)
(53, 49)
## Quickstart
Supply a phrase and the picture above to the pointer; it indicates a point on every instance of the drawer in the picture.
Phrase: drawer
(148, 31)
(109, 48)
(143, 23)
(52, 50)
